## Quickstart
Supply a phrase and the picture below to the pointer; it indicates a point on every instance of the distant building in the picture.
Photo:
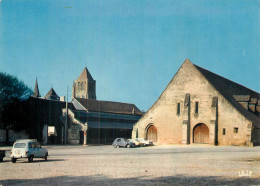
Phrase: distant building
(199, 106)
(94, 121)
(86, 120)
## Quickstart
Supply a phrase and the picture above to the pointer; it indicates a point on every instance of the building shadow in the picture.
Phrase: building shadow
(103, 180)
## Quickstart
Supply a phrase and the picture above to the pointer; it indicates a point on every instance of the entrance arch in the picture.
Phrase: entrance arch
(151, 133)
(201, 133)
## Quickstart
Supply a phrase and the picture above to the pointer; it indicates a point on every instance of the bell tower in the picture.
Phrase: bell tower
(84, 86)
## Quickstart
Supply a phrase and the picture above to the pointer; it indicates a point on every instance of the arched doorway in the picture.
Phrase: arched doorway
(152, 133)
(201, 133)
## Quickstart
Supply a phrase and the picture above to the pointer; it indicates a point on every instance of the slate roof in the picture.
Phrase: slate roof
(228, 89)
(108, 106)
(85, 74)
(51, 93)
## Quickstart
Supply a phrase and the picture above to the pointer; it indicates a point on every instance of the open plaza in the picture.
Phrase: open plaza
(154, 165)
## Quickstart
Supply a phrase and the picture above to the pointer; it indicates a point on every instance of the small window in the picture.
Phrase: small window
(33, 145)
(235, 130)
(224, 131)
(196, 107)
(178, 108)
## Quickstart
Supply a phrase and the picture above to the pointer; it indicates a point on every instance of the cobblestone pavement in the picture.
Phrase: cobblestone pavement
(156, 165)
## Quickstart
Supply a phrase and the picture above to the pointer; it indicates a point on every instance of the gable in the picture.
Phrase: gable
(189, 72)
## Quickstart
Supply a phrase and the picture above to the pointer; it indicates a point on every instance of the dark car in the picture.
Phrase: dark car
(122, 142)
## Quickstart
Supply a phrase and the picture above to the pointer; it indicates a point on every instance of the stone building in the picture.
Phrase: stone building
(96, 121)
(199, 106)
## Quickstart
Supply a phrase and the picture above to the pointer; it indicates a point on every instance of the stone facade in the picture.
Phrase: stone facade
(191, 110)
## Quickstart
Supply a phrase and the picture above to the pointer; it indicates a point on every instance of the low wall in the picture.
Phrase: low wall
(12, 136)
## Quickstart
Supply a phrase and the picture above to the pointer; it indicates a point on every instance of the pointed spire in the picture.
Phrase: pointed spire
(36, 92)
(85, 74)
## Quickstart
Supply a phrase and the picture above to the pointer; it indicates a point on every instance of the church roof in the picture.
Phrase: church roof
(51, 93)
(85, 74)
(36, 92)
(108, 106)
(230, 90)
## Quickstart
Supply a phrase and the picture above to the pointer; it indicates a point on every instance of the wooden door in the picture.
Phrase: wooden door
(201, 134)
(152, 133)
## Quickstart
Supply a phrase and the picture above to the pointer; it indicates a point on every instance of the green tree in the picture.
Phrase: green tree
(11, 87)
(13, 108)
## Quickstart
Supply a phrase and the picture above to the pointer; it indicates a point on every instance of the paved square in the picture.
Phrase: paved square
(157, 165)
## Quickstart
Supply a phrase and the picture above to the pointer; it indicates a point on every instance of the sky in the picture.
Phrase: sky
(132, 48)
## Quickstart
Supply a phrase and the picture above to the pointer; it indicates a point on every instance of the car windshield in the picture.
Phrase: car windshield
(19, 145)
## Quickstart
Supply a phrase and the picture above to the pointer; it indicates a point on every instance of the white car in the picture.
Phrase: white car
(28, 148)
(145, 142)
(136, 142)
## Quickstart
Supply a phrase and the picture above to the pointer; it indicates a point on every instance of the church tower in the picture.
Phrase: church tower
(84, 86)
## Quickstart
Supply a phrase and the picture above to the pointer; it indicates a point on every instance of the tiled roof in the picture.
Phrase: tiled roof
(108, 106)
(228, 89)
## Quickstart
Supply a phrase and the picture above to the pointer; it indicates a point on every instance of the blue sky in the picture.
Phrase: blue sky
(132, 48)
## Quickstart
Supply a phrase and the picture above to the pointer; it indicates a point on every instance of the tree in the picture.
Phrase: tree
(10, 88)
(13, 108)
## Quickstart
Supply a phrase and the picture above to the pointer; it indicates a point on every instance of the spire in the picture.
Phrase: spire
(36, 92)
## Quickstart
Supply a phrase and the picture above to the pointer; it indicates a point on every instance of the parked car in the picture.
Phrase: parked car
(145, 142)
(28, 148)
(122, 142)
(2, 155)
(136, 142)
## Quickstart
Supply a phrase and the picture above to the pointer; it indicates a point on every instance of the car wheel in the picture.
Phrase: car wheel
(46, 157)
(1, 159)
(128, 146)
(30, 159)
(13, 160)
